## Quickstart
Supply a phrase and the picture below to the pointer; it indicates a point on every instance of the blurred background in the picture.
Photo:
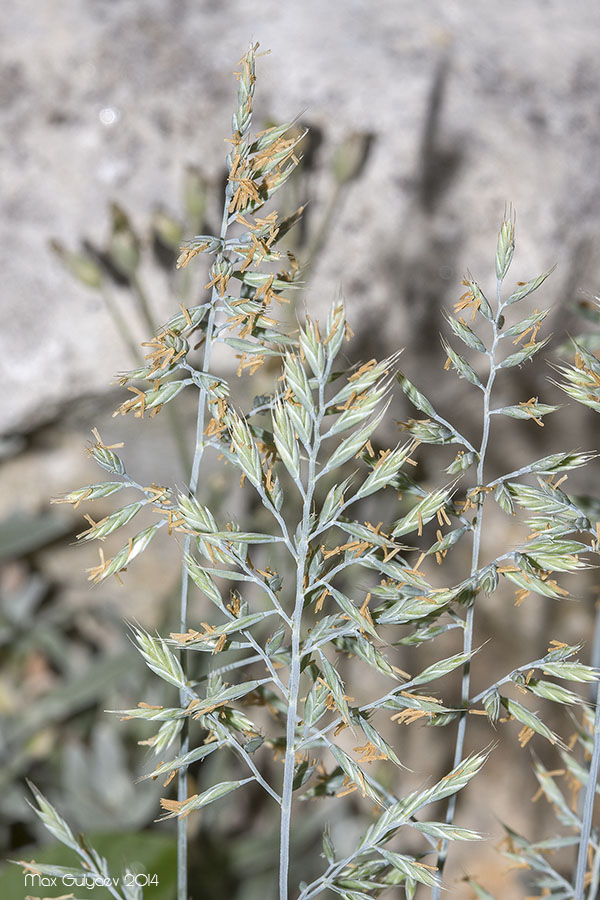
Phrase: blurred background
(426, 121)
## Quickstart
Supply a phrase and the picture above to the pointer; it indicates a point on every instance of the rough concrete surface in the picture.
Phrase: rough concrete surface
(520, 122)
(472, 106)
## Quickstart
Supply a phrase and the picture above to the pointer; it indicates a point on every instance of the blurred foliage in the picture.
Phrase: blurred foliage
(152, 854)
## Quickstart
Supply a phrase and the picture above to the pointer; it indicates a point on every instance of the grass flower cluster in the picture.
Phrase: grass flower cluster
(304, 601)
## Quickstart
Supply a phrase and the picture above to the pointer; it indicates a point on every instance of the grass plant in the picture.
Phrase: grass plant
(309, 596)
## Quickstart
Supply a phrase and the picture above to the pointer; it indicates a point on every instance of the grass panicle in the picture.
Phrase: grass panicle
(307, 607)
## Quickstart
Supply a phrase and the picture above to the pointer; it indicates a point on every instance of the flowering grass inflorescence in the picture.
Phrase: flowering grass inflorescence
(287, 611)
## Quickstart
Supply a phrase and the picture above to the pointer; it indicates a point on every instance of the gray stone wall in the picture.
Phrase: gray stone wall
(109, 100)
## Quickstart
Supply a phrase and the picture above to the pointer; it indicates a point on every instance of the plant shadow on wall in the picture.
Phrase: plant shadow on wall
(283, 678)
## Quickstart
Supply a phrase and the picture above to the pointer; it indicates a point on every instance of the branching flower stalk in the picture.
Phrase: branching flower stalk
(504, 255)
(246, 89)
(318, 584)
(304, 534)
